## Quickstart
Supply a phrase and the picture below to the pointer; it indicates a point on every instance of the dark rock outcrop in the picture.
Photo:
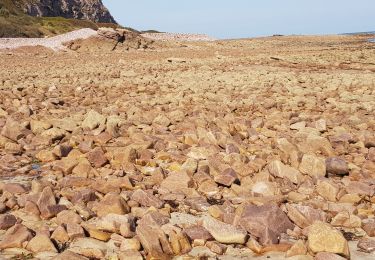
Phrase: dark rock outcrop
(92, 10)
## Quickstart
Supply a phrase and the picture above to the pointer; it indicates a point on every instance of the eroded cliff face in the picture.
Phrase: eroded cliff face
(92, 10)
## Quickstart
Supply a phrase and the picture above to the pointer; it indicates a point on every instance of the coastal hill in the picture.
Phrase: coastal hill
(37, 18)
(92, 10)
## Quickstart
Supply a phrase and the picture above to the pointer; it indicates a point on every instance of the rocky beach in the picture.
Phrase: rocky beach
(257, 148)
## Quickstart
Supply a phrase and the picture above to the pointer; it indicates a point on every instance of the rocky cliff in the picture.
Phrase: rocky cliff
(92, 10)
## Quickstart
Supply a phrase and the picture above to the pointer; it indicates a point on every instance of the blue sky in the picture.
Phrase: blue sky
(246, 18)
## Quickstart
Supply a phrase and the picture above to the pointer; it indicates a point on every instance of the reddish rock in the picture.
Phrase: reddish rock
(75, 182)
(369, 141)
(304, 216)
(145, 155)
(32, 208)
(106, 186)
(198, 203)
(45, 156)
(361, 188)
(177, 182)
(146, 200)
(74, 231)
(338, 166)
(231, 148)
(83, 169)
(84, 196)
(70, 255)
(97, 157)
(367, 245)
(369, 228)
(15, 236)
(7, 221)
(62, 150)
(45, 203)
(41, 243)
(130, 255)
(216, 247)
(111, 203)
(86, 146)
(68, 216)
(198, 232)
(371, 154)
(3, 207)
(152, 237)
(65, 165)
(125, 156)
(12, 130)
(60, 235)
(15, 188)
(265, 222)
(227, 177)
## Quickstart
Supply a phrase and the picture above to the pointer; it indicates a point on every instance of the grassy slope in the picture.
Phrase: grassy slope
(14, 23)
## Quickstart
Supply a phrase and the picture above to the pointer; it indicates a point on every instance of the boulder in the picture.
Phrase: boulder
(97, 157)
(12, 130)
(327, 189)
(369, 228)
(304, 216)
(224, 233)
(53, 134)
(3, 113)
(75, 231)
(146, 200)
(45, 156)
(109, 33)
(278, 169)
(89, 247)
(111, 203)
(152, 237)
(7, 221)
(93, 120)
(41, 243)
(130, 255)
(69, 255)
(37, 127)
(65, 165)
(337, 166)
(265, 222)
(367, 245)
(46, 202)
(130, 244)
(177, 182)
(60, 235)
(15, 188)
(347, 220)
(322, 237)
(198, 232)
(15, 236)
(227, 177)
(313, 166)
(68, 216)
(299, 248)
